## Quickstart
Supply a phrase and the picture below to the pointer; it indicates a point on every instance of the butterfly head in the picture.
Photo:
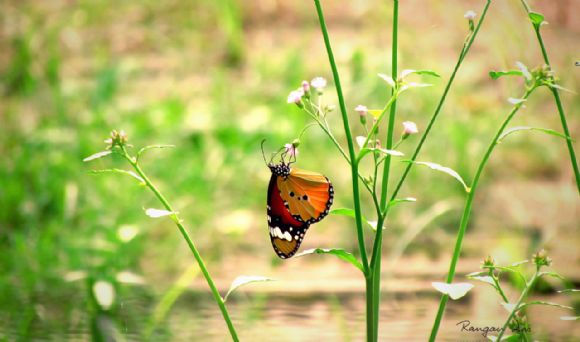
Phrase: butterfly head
(282, 169)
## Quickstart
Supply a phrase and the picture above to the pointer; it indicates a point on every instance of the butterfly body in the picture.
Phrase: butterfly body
(296, 199)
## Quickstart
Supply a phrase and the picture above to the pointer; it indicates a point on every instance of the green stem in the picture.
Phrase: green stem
(190, 243)
(462, 56)
(377, 245)
(556, 95)
(498, 286)
(467, 213)
(519, 302)
(352, 156)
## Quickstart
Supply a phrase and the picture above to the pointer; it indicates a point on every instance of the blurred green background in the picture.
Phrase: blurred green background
(211, 77)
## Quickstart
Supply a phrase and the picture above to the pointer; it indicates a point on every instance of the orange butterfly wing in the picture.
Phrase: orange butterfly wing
(308, 195)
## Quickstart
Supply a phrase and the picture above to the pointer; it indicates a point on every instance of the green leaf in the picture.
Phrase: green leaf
(552, 274)
(401, 200)
(516, 264)
(97, 155)
(538, 302)
(146, 148)
(454, 291)
(515, 101)
(497, 74)
(350, 213)
(156, 213)
(340, 253)
(536, 18)
(408, 72)
(360, 141)
(124, 172)
(244, 280)
(556, 86)
(524, 69)
(444, 169)
(509, 307)
(389, 80)
(393, 153)
(528, 128)
(485, 279)
(409, 85)
(569, 291)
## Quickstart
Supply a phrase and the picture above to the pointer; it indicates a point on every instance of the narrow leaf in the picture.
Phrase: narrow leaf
(388, 79)
(569, 290)
(516, 264)
(553, 275)
(509, 307)
(539, 302)
(409, 85)
(97, 155)
(401, 200)
(360, 140)
(350, 213)
(485, 279)
(446, 170)
(408, 72)
(528, 128)
(340, 253)
(155, 213)
(556, 86)
(497, 74)
(243, 280)
(124, 172)
(515, 101)
(393, 153)
(570, 318)
(454, 291)
(524, 70)
(146, 148)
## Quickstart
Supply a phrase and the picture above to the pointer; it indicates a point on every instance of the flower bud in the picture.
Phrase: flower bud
(305, 86)
(118, 138)
(409, 128)
(362, 112)
(541, 258)
(488, 262)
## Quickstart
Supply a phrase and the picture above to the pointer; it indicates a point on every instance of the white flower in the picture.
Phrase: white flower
(291, 150)
(295, 96)
(318, 82)
(361, 110)
(409, 128)
(470, 15)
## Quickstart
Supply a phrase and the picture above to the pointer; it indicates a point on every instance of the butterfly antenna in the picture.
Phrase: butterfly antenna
(263, 154)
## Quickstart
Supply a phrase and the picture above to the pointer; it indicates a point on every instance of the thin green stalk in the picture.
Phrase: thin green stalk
(519, 302)
(377, 245)
(462, 56)
(467, 212)
(190, 243)
(498, 286)
(556, 95)
(354, 163)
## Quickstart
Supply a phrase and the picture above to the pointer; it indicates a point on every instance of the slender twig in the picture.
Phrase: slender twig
(556, 96)
(462, 55)
(467, 211)
(354, 163)
(185, 234)
(524, 294)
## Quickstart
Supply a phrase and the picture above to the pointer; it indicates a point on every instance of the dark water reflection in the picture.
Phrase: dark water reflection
(272, 317)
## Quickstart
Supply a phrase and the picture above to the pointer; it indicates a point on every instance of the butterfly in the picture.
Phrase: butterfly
(296, 199)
